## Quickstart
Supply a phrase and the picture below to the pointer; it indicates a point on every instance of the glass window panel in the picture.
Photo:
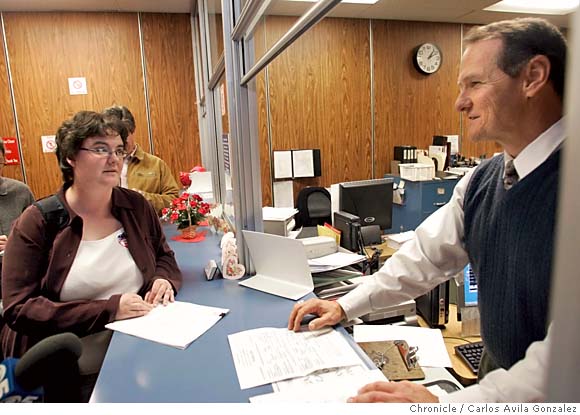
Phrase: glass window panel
(215, 32)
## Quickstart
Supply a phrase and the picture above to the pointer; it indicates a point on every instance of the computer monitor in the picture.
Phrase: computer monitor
(370, 200)
(469, 287)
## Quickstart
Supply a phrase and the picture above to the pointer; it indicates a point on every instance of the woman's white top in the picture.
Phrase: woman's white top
(101, 269)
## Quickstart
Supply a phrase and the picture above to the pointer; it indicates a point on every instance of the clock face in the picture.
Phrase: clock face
(427, 58)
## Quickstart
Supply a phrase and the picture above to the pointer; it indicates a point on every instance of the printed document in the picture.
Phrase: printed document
(267, 355)
(335, 389)
(177, 324)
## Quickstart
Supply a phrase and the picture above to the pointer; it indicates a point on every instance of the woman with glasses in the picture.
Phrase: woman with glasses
(107, 260)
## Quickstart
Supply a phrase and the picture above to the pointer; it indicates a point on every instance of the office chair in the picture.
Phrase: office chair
(313, 204)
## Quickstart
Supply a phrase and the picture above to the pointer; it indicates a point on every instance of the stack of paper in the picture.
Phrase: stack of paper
(334, 261)
(396, 240)
(176, 324)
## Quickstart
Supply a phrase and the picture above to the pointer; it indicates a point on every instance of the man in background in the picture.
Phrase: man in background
(15, 196)
(144, 172)
(511, 86)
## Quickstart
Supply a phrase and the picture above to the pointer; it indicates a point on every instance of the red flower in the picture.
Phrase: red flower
(186, 210)
(184, 179)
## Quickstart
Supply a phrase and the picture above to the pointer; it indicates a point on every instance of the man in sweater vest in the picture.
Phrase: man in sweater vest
(500, 218)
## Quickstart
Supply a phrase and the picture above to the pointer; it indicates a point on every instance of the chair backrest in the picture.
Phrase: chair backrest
(314, 208)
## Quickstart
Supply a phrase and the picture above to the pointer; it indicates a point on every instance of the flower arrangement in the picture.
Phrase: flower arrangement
(187, 210)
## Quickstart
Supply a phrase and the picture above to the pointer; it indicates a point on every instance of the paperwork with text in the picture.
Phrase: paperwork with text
(178, 324)
(267, 355)
(335, 389)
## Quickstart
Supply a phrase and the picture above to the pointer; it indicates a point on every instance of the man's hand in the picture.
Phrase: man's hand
(404, 391)
(132, 305)
(3, 239)
(328, 312)
(161, 292)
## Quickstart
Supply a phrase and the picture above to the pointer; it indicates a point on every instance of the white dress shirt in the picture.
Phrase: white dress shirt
(436, 254)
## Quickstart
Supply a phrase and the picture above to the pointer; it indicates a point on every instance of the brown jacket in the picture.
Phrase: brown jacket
(35, 268)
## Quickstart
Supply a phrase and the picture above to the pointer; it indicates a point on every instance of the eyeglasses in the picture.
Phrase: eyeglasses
(104, 152)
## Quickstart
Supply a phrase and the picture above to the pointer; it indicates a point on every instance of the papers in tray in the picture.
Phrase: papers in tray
(334, 261)
(178, 324)
(268, 354)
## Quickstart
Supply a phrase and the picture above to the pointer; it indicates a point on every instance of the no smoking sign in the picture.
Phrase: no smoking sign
(77, 86)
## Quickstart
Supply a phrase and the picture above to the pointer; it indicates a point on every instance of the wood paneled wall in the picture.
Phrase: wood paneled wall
(7, 122)
(411, 107)
(47, 48)
(319, 96)
(171, 85)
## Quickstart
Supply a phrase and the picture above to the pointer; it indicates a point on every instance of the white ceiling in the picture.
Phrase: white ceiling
(456, 11)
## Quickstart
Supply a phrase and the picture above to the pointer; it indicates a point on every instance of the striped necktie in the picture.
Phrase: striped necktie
(511, 175)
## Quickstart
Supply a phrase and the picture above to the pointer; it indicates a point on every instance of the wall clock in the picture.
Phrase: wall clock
(427, 58)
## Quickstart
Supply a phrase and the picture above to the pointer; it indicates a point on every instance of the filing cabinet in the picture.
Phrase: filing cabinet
(420, 199)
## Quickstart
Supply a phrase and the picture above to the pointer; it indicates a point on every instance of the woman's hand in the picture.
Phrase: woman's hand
(404, 391)
(329, 313)
(161, 292)
(132, 305)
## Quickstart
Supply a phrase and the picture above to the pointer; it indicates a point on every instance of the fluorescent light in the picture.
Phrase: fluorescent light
(343, 1)
(535, 7)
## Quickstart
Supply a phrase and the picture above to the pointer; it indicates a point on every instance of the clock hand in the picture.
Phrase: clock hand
(432, 53)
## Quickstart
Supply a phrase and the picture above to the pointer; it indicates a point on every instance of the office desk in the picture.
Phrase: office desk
(137, 370)
(452, 337)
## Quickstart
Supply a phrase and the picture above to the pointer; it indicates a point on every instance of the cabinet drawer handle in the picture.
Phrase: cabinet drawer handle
(439, 204)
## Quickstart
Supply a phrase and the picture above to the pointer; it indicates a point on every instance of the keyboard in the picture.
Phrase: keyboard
(470, 353)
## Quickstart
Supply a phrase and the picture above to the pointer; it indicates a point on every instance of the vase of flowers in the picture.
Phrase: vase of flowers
(186, 211)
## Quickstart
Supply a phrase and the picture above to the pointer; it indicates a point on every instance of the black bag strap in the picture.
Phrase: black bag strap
(54, 213)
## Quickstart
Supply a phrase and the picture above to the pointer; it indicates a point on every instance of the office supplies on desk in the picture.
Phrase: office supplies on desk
(177, 324)
(470, 353)
(431, 352)
(318, 246)
(281, 265)
(267, 355)
(329, 230)
(394, 358)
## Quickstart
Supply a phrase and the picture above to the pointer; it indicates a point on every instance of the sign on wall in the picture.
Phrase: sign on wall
(11, 146)
(77, 86)
(48, 143)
